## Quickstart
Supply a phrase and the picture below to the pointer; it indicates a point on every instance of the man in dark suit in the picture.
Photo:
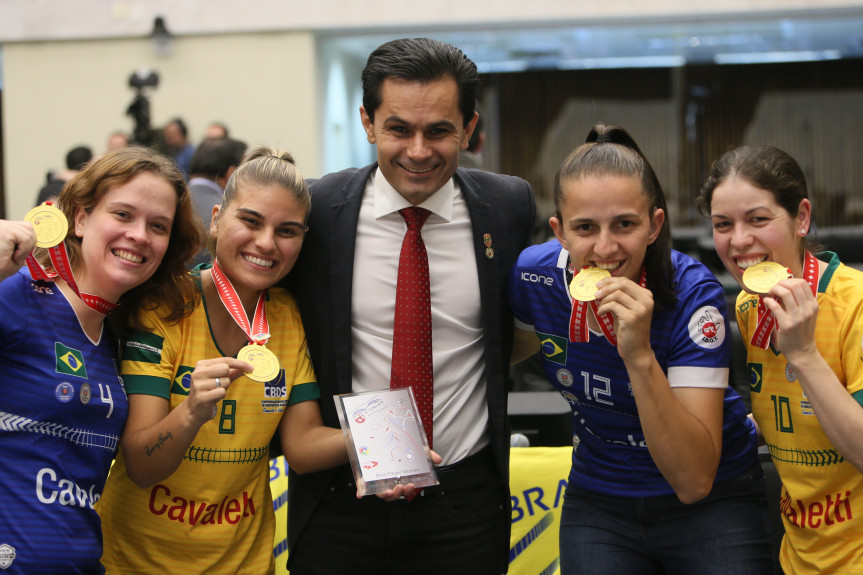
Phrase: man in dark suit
(419, 111)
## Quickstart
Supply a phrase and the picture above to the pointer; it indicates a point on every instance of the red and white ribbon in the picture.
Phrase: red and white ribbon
(578, 319)
(766, 321)
(62, 267)
(258, 331)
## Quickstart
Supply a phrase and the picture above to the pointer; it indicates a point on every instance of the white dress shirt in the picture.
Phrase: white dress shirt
(460, 408)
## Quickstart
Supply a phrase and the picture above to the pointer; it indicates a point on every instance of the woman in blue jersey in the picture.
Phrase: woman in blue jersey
(130, 230)
(665, 473)
(803, 339)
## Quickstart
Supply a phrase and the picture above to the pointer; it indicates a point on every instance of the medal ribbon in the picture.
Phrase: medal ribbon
(260, 326)
(578, 319)
(60, 259)
(766, 321)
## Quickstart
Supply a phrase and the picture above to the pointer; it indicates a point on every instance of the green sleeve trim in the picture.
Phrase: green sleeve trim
(147, 385)
(304, 392)
(858, 395)
(144, 347)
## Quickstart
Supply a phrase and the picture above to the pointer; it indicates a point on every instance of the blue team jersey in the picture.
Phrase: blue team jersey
(612, 456)
(62, 411)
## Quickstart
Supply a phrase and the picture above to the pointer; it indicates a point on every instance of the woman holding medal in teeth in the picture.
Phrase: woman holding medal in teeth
(123, 231)
(665, 473)
(190, 491)
(801, 317)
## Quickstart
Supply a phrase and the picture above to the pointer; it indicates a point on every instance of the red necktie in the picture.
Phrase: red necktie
(412, 329)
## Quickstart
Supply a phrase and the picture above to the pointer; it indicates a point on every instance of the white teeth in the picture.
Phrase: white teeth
(259, 261)
(413, 171)
(608, 267)
(128, 256)
(748, 263)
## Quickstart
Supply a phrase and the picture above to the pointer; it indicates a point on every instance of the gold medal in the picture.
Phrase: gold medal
(265, 362)
(583, 285)
(761, 277)
(50, 225)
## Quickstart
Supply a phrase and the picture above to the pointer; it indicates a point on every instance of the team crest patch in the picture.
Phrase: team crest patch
(7, 555)
(553, 347)
(790, 375)
(564, 377)
(85, 393)
(707, 327)
(182, 381)
(64, 392)
(69, 361)
(755, 377)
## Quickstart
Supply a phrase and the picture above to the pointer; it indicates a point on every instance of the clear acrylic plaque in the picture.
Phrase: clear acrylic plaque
(385, 440)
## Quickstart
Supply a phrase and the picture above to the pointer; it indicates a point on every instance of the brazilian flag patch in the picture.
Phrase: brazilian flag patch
(182, 381)
(69, 361)
(755, 377)
(553, 347)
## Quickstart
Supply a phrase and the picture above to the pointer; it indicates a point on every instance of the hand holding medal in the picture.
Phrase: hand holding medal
(760, 279)
(49, 223)
(51, 226)
(583, 290)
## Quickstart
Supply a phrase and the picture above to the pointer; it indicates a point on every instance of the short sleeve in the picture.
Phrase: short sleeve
(148, 361)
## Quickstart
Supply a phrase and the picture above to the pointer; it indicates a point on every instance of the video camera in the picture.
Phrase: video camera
(139, 109)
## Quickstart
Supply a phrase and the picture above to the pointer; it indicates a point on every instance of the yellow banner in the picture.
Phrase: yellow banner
(537, 481)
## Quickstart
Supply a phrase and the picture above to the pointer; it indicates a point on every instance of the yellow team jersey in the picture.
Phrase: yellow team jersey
(214, 514)
(822, 493)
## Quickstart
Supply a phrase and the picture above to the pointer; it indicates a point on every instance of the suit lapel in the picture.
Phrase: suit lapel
(344, 216)
(482, 227)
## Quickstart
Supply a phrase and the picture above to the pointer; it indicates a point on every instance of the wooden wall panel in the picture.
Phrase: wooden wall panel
(714, 108)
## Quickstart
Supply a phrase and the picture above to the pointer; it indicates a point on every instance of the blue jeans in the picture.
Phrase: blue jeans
(726, 533)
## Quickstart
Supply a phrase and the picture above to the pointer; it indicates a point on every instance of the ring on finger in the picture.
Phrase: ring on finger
(218, 382)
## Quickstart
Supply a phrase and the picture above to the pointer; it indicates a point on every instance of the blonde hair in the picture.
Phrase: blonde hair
(266, 166)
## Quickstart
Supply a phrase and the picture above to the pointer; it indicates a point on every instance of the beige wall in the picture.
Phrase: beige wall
(42, 19)
(57, 95)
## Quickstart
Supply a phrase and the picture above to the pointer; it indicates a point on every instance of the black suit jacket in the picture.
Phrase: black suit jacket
(501, 207)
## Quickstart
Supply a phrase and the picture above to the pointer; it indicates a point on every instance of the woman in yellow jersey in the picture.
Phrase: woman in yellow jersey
(190, 492)
(801, 317)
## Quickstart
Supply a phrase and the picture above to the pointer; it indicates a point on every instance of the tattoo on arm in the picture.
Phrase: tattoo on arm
(163, 437)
